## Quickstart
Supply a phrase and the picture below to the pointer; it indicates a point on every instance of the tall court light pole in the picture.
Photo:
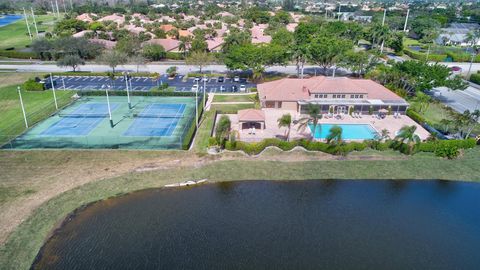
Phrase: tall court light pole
(406, 21)
(28, 26)
(23, 107)
(34, 21)
(128, 94)
(108, 105)
(53, 90)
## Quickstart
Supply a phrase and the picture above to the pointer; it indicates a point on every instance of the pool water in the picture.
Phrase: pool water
(350, 131)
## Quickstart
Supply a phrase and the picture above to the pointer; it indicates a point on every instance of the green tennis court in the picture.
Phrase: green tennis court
(152, 122)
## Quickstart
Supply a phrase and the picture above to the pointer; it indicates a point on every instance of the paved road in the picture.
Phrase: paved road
(160, 68)
(83, 83)
(468, 99)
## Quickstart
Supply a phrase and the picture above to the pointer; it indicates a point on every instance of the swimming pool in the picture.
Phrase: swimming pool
(350, 131)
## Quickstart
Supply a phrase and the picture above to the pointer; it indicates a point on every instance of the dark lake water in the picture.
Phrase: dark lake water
(276, 225)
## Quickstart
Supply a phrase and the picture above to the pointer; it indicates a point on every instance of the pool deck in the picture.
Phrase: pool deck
(393, 125)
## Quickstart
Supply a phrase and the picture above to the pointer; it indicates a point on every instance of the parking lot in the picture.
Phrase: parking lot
(182, 84)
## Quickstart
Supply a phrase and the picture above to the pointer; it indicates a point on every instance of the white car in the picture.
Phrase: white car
(243, 88)
(205, 79)
(195, 88)
(236, 79)
(222, 88)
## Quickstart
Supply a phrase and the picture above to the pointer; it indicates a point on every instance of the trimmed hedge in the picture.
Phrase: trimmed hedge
(416, 116)
(422, 56)
(105, 74)
(32, 85)
(475, 78)
(187, 140)
(174, 56)
(19, 55)
(448, 149)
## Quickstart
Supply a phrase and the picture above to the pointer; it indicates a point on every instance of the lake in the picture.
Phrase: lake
(8, 19)
(276, 225)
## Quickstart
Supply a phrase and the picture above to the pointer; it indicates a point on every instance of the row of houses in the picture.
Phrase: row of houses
(171, 43)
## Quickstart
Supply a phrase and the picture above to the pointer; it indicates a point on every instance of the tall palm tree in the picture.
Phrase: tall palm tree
(184, 45)
(313, 116)
(285, 121)
(335, 135)
(407, 136)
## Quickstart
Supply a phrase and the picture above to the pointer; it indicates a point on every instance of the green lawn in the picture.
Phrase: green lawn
(234, 98)
(232, 108)
(204, 132)
(434, 113)
(38, 106)
(16, 34)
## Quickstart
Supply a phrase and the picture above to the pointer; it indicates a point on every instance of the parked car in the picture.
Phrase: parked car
(236, 79)
(195, 88)
(197, 79)
(243, 88)
(205, 79)
(234, 88)
(243, 80)
(456, 69)
(221, 79)
(222, 88)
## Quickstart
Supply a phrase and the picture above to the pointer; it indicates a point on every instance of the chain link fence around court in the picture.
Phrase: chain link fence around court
(15, 125)
(160, 131)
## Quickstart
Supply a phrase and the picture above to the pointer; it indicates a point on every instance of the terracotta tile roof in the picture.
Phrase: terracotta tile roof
(166, 43)
(291, 27)
(85, 17)
(114, 18)
(81, 33)
(300, 89)
(106, 43)
(251, 115)
(214, 43)
(167, 27)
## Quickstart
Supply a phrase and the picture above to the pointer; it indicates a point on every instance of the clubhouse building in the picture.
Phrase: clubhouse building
(338, 95)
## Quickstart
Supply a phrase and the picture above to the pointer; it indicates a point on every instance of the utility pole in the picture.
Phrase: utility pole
(34, 22)
(383, 24)
(406, 21)
(64, 7)
(53, 9)
(58, 11)
(339, 8)
(28, 26)
(53, 90)
(71, 5)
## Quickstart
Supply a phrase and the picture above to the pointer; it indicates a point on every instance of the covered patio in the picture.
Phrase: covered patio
(251, 119)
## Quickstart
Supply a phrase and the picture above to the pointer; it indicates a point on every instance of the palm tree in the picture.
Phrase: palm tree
(407, 136)
(335, 135)
(285, 121)
(313, 112)
(384, 134)
(184, 45)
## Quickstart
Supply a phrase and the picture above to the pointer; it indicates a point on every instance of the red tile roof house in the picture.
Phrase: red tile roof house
(334, 95)
(170, 45)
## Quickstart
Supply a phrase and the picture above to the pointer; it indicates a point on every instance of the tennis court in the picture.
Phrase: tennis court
(150, 123)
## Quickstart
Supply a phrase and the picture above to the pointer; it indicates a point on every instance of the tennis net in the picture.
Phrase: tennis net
(143, 115)
(83, 115)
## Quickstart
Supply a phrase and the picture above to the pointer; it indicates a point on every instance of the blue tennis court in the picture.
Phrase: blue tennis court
(156, 120)
(81, 121)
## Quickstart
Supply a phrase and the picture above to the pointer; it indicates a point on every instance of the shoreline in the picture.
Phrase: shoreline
(25, 240)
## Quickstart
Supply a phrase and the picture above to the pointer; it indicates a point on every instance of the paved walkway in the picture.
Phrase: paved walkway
(209, 101)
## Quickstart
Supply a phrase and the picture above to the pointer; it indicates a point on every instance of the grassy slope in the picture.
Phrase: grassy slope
(234, 98)
(23, 245)
(203, 133)
(16, 34)
(37, 104)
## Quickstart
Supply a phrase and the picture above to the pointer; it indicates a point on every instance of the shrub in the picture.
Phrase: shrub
(91, 74)
(212, 141)
(32, 85)
(223, 127)
(154, 52)
(416, 116)
(174, 56)
(447, 150)
(475, 78)
(19, 55)
(422, 56)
